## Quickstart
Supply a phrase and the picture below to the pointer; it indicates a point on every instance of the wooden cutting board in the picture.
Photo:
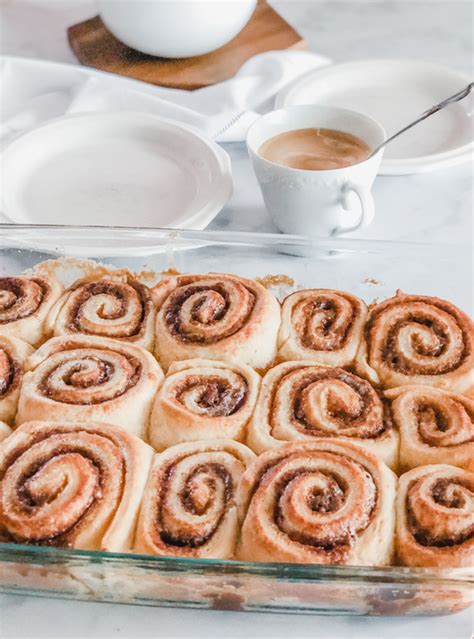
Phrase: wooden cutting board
(96, 47)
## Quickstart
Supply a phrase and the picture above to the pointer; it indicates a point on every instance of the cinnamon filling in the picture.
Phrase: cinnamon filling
(195, 504)
(176, 299)
(20, 297)
(454, 499)
(444, 493)
(366, 416)
(10, 373)
(328, 500)
(405, 366)
(28, 504)
(210, 308)
(79, 376)
(439, 420)
(214, 394)
(435, 348)
(324, 502)
(429, 417)
(325, 336)
(424, 538)
(122, 295)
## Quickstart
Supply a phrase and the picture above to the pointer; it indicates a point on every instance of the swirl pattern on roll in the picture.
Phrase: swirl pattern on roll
(415, 339)
(113, 307)
(326, 501)
(321, 325)
(189, 507)
(216, 316)
(24, 305)
(435, 517)
(71, 485)
(90, 379)
(13, 354)
(203, 399)
(302, 400)
(434, 425)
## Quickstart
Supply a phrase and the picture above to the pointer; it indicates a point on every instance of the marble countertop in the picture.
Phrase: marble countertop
(434, 207)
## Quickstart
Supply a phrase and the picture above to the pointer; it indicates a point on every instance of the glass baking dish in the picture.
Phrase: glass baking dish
(370, 269)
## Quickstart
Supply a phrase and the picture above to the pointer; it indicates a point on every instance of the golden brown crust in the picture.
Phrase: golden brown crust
(203, 399)
(300, 401)
(189, 507)
(316, 494)
(71, 485)
(435, 426)
(112, 307)
(416, 339)
(90, 379)
(325, 501)
(216, 316)
(321, 325)
(13, 355)
(24, 305)
(435, 517)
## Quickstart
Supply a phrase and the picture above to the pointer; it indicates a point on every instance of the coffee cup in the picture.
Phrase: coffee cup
(323, 202)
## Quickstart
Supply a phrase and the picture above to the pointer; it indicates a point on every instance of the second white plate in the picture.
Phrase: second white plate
(115, 169)
(395, 92)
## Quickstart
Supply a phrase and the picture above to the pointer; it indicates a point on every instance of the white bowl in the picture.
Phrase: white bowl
(176, 28)
(114, 169)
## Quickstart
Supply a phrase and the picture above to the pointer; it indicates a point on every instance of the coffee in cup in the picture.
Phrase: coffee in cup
(315, 149)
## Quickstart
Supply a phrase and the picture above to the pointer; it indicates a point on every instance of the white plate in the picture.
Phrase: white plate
(115, 169)
(395, 92)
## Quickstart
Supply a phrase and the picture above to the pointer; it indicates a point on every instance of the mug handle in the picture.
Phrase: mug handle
(366, 204)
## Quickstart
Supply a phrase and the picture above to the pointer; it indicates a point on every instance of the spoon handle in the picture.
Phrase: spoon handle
(426, 114)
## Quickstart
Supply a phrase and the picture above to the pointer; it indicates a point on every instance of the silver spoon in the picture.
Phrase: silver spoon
(434, 109)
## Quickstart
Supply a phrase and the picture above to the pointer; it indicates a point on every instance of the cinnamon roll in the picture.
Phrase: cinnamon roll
(203, 399)
(24, 305)
(301, 401)
(5, 431)
(84, 379)
(115, 307)
(13, 354)
(72, 485)
(435, 517)
(189, 507)
(415, 339)
(216, 316)
(325, 501)
(321, 325)
(435, 426)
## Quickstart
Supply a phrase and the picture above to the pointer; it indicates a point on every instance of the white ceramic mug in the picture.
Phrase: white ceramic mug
(317, 203)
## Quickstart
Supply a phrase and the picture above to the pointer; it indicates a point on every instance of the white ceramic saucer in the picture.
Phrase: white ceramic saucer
(115, 169)
(395, 92)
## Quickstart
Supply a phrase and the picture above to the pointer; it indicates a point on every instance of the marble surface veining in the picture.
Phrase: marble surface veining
(434, 207)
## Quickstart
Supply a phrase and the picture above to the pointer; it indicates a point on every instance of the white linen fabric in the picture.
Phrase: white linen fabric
(34, 91)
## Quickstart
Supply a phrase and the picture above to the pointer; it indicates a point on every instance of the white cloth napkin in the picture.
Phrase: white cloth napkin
(34, 91)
